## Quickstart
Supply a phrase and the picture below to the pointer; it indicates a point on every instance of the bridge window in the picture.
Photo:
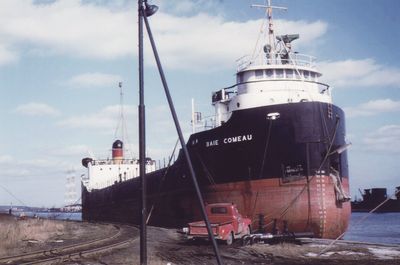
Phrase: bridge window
(312, 74)
(279, 73)
(298, 74)
(259, 74)
(307, 75)
(239, 78)
(269, 73)
(289, 73)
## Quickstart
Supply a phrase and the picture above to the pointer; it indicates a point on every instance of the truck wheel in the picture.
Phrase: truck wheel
(229, 240)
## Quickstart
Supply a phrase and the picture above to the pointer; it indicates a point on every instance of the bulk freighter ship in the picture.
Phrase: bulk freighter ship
(276, 148)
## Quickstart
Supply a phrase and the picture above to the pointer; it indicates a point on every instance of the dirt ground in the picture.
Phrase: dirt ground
(29, 235)
(166, 246)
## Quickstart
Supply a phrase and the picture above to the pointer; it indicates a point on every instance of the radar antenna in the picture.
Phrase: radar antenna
(270, 47)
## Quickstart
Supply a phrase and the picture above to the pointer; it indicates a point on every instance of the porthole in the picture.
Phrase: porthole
(238, 104)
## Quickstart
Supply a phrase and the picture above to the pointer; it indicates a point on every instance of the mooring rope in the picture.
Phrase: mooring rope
(162, 180)
(359, 222)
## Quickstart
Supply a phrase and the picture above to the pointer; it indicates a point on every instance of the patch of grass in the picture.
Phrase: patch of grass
(14, 233)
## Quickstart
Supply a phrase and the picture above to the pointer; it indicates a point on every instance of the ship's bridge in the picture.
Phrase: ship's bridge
(271, 82)
(280, 80)
(274, 75)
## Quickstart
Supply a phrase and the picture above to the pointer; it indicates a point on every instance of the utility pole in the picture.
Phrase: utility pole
(142, 140)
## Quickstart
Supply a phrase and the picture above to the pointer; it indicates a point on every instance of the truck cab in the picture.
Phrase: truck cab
(226, 222)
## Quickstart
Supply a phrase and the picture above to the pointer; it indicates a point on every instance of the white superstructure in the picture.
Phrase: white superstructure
(104, 173)
(274, 75)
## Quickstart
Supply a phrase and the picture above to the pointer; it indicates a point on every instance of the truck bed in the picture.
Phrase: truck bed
(199, 228)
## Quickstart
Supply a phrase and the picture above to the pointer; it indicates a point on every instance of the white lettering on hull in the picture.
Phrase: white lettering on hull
(230, 140)
(211, 143)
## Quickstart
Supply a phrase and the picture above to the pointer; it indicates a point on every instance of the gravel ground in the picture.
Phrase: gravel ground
(166, 246)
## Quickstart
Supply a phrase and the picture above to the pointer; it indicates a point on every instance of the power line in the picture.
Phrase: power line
(12, 195)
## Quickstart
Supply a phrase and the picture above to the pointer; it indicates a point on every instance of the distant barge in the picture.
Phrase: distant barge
(373, 197)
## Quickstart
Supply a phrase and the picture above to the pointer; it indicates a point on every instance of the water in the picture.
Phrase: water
(54, 215)
(376, 228)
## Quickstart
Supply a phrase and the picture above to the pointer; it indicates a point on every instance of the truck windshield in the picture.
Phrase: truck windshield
(219, 210)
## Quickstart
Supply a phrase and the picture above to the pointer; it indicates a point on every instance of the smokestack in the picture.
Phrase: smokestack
(118, 152)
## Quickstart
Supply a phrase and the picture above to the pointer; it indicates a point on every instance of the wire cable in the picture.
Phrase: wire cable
(359, 222)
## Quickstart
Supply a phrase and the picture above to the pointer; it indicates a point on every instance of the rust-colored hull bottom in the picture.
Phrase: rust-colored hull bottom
(300, 209)
(314, 209)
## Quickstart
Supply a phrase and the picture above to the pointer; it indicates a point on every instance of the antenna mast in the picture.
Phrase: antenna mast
(121, 103)
(122, 123)
(270, 48)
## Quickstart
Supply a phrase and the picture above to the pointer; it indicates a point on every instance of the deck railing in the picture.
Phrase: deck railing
(296, 59)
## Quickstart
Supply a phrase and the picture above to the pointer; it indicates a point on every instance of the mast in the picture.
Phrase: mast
(270, 47)
(193, 117)
(121, 110)
(121, 123)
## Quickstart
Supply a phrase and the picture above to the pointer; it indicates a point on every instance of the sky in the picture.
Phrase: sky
(61, 62)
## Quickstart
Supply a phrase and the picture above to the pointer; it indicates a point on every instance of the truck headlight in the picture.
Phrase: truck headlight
(185, 230)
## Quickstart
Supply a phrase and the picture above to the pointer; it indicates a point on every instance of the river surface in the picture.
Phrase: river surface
(364, 227)
(374, 228)
(53, 215)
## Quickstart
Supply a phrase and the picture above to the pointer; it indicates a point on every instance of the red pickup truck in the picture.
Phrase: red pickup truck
(226, 222)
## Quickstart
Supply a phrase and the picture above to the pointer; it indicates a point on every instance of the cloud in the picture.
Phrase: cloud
(359, 73)
(36, 109)
(71, 150)
(185, 7)
(108, 118)
(69, 27)
(386, 139)
(7, 55)
(22, 177)
(76, 28)
(160, 130)
(309, 32)
(16, 168)
(206, 43)
(95, 80)
(373, 107)
(105, 119)
(5, 159)
(179, 7)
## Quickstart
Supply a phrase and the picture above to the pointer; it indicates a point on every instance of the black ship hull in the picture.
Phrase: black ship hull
(278, 172)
